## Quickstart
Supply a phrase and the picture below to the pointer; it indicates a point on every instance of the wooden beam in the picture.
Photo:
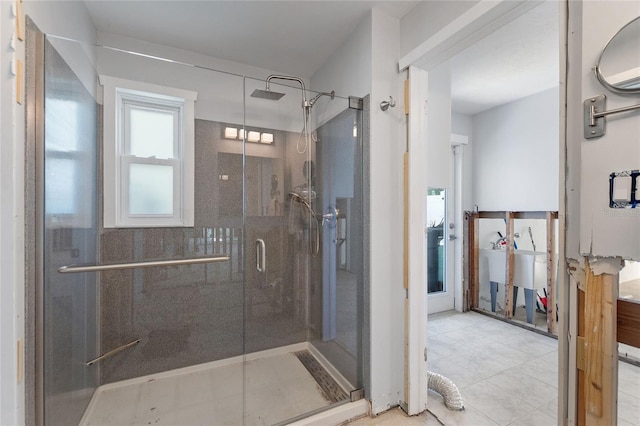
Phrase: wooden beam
(601, 353)
(629, 322)
(509, 266)
(517, 215)
(474, 260)
(551, 273)
(580, 403)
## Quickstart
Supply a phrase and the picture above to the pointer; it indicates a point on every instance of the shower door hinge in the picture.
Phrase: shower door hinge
(356, 103)
(357, 394)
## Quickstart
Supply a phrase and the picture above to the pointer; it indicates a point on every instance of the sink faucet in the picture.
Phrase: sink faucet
(502, 242)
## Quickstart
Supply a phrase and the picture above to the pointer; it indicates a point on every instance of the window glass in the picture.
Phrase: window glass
(151, 132)
(150, 189)
(61, 186)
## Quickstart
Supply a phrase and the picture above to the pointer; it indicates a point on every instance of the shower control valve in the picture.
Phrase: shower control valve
(330, 216)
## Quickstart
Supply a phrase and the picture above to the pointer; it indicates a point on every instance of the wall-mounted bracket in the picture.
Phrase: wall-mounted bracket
(595, 113)
(593, 127)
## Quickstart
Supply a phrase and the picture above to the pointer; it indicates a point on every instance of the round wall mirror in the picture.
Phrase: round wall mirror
(618, 67)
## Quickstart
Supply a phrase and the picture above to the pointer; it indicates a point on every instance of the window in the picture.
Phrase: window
(148, 155)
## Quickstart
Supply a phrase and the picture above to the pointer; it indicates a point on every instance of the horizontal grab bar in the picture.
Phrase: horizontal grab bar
(118, 266)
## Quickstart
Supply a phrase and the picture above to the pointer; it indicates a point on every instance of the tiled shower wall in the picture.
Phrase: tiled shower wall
(193, 314)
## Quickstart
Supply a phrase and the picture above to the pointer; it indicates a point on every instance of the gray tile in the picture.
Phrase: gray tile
(499, 405)
(628, 407)
(543, 370)
(468, 416)
(629, 379)
(523, 386)
(537, 418)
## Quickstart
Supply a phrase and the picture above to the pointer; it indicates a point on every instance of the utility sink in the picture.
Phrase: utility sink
(529, 272)
(530, 267)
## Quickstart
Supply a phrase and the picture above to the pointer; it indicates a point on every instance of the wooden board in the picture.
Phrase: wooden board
(473, 253)
(551, 273)
(581, 417)
(509, 266)
(601, 353)
(628, 320)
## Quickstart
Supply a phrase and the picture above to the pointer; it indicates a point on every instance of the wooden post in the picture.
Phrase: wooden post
(509, 265)
(600, 348)
(473, 262)
(551, 272)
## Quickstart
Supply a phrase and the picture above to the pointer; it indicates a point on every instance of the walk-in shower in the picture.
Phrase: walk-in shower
(251, 315)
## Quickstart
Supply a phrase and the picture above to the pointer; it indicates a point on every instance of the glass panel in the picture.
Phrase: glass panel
(304, 287)
(339, 155)
(629, 289)
(61, 195)
(150, 189)
(152, 132)
(70, 237)
(186, 316)
(629, 363)
(255, 326)
(436, 243)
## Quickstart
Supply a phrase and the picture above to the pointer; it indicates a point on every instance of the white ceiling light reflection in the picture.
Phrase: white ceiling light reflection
(266, 138)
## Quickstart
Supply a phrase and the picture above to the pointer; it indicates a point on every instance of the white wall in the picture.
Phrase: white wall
(604, 231)
(462, 124)
(69, 19)
(439, 127)
(515, 155)
(347, 71)
(386, 217)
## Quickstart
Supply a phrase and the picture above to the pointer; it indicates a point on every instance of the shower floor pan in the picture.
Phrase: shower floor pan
(274, 386)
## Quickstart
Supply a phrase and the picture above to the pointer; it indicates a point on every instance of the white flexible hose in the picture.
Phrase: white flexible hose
(449, 391)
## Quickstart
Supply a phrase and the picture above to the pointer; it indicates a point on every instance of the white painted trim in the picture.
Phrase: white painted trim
(416, 346)
(457, 152)
(474, 24)
(457, 139)
(115, 90)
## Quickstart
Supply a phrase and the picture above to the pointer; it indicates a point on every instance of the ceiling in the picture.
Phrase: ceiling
(518, 60)
(297, 37)
(293, 37)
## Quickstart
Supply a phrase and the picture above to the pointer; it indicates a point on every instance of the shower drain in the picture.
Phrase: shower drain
(330, 389)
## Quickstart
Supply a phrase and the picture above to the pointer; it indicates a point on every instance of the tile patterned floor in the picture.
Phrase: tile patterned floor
(506, 375)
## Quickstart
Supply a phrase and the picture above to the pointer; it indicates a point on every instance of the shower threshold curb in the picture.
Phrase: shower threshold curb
(350, 410)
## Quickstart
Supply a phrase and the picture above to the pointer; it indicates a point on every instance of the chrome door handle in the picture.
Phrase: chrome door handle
(261, 255)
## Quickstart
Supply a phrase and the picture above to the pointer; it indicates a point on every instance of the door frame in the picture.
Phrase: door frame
(477, 22)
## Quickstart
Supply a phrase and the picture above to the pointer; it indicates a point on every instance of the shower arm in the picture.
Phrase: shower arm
(305, 104)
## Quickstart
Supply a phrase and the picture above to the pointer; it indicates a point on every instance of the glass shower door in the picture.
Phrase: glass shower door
(167, 340)
(303, 297)
(68, 205)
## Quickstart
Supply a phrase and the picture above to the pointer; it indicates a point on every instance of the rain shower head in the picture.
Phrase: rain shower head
(267, 94)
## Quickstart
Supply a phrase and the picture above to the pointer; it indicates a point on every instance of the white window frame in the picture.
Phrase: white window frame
(119, 95)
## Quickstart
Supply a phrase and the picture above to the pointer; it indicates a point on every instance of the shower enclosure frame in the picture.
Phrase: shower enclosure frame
(34, 235)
